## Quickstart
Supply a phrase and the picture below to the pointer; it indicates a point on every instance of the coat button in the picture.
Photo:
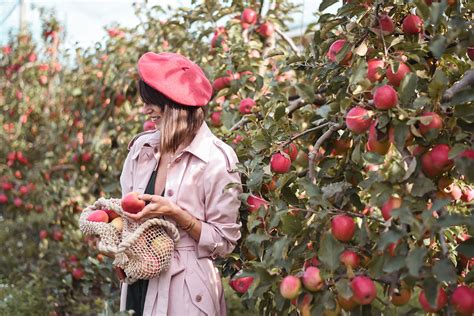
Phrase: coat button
(170, 192)
(198, 298)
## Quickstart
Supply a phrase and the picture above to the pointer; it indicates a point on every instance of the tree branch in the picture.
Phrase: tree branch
(466, 81)
(286, 143)
(295, 105)
(288, 40)
(315, 150)
(240, 123)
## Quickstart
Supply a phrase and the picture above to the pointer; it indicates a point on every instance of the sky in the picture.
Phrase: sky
(84, 20)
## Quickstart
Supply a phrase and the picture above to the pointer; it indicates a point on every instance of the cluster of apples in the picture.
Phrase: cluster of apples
(72, 265)
(106, 216)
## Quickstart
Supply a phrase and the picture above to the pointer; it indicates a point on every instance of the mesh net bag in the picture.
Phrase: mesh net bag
(144, 249)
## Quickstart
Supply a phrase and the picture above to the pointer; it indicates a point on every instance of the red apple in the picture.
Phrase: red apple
(468, 153)
(385, 97)
(312, 262)
(17, 202)
(343, 227)
(43, 234)
(290, 287)
(3, 199)
(373, 67)
(131, 203)
(463, 300)
(441, 301)
(58, 235)
(149, 126)
(401, 298)
(86, 157)
(467, 194)
(392, 203)
(279, 163)
(358, 120)
(363, 289)
(249, 16)
(436, 161)
(312, 280)
(412, 24)
(7, 186)
(23, 189)
(111, 214)
(350, 258)
(386, 24)
(396, 77)
(435, 124)
(242, 284)
(255, 202)
(292, 151)
(98, 216)
(221, 83)
(246, 106)
(266, 29)
(43, 80)
(470, 53)
(219, 37)
(78, 273)
(21, 158)
(335, 48)
(216, 118)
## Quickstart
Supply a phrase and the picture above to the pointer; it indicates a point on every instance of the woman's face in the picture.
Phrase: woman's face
(153, 112)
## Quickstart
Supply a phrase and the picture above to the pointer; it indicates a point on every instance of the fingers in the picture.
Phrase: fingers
(148, 211)
(149, 197)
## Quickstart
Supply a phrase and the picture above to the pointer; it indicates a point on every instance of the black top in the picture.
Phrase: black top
(136, 292)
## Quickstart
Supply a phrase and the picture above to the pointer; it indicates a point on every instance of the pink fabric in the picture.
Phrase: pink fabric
(195, 182)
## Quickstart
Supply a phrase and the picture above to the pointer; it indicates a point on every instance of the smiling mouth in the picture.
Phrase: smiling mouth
(154, 119)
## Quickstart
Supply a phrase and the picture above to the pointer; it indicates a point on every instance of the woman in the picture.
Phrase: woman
(185, 171)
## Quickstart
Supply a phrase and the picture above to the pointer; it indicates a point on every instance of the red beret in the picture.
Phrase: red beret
(176, 77)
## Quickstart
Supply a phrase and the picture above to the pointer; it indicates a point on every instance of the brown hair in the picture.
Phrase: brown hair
(179, 123)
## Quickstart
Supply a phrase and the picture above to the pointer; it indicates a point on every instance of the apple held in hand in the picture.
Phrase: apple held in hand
(132, 204)
(290, 287)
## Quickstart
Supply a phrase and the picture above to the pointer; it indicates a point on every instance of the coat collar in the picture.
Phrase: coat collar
(199, 146)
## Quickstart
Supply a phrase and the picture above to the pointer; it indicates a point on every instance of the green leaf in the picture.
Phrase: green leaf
(438, 46)
(326, 4)
(329, 251)
(359, 73)
(431, 288)
(467, 248)
(436, 12)
(394, 264)
(343, 288)
(279, 112)
(406, 91)
(305, 92)
(373, 158)
(415, 260)
(291, 225)
(388, 237)
(421, 186)
(443, 270)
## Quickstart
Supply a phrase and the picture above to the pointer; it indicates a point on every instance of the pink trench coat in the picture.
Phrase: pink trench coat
(195, 182)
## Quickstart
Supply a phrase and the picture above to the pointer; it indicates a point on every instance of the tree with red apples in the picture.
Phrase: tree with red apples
(355, 146)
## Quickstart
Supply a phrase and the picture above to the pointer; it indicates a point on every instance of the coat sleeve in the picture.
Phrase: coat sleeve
(126, 177)
(220, 230)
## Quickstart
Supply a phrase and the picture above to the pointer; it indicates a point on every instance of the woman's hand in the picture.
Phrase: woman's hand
(158, 206)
